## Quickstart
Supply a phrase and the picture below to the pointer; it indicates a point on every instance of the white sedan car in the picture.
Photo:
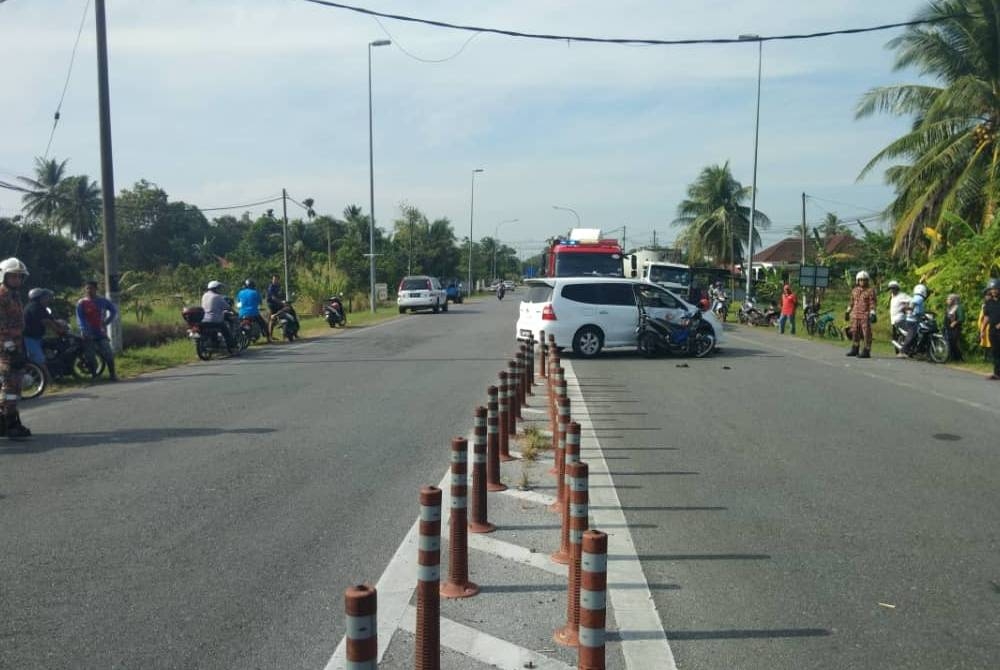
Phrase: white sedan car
(589, 314)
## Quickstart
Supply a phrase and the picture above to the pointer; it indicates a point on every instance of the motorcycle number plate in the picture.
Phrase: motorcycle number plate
(525, 332)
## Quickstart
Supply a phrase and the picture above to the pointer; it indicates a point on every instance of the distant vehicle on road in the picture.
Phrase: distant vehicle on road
(418, 292)
(508, 285)
(453, 290)
(589, 314)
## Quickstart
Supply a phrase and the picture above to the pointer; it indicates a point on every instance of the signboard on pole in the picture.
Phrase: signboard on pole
(814, 276)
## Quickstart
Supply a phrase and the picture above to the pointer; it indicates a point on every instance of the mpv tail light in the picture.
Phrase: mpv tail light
(548, 314)
(428, 284)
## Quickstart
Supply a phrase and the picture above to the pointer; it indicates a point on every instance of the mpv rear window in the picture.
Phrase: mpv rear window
(539, 293)
(600, 294)
(414, 285)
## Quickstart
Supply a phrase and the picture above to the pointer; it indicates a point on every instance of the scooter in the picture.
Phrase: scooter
(929, 343)
(689, 336)
(287, 320)
(333, 312)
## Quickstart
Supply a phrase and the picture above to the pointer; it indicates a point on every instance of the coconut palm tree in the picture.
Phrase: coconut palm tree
(43, 200)
(949, 160)
(715, 219)
(79, 208)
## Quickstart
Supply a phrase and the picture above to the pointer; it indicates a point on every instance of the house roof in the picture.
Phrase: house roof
(789, 250)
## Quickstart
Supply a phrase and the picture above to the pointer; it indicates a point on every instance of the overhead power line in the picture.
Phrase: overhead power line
(72, 58)
(626, 40)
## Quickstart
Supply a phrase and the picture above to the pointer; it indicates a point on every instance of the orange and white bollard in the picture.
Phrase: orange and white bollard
(479, 512)
(593, 600)
(493, 483)
(522, 372)
(361, 608)
(514, 396)
(571, 453)
(559, 439)
(543, 347)
(504, 408)
(428, 633)
(578, 509)
(530, 360)
(458, 584)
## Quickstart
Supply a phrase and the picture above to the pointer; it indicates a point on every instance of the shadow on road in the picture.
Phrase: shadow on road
(42, 442)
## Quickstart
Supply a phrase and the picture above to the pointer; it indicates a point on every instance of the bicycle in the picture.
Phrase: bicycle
(825, 326)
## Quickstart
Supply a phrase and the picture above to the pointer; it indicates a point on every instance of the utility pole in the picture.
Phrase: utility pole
(284, 237)
(654, 238)
(110, 232)
(803, 229)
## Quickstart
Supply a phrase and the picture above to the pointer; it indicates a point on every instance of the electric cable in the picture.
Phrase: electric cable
(72, 59)
(399, 46)
(611, 40)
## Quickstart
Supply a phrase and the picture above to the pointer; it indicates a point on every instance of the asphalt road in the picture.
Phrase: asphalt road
(211, 516)
(809, 510)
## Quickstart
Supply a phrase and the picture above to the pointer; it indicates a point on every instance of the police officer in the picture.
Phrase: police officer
(12, 355)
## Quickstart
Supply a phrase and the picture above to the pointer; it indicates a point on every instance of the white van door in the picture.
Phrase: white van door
(618, 313)
(660, 303)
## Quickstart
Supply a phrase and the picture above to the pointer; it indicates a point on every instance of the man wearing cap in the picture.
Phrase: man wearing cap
(897, 306)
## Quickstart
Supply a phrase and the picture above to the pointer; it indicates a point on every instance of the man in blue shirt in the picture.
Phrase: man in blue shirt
(94, 313)
(248, 303)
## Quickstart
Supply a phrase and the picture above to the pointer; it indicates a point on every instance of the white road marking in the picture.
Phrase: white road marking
(485, 648)
(634, 608)
(530, 496)
(515, 552)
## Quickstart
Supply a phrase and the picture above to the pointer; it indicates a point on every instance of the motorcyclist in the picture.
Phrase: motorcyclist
(719, 298)
(914, 312)
(215, 304)
(500, 291)
(12, 356)
(37, 316)
(335, 303)
(897, 305)
(248, 303)
(991, 323)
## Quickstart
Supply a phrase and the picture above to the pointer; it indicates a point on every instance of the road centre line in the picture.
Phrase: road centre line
(485, 648)
(634, 608)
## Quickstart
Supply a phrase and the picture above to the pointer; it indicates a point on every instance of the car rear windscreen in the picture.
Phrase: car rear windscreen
(539, 293)
(414, 285)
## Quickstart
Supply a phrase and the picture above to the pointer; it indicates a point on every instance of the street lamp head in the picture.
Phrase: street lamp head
(478, 170)
(749, 37)
(380, 43)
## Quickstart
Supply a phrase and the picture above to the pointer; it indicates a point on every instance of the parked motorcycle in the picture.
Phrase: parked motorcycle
(690, 335)
(250, 331)
(750, 314)
(286, 320)
(208, 338)
(65, 356)
(930, 343)
(333, 312)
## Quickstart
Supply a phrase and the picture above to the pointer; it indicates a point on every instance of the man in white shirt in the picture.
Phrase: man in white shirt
(216, 305)
(897, 304)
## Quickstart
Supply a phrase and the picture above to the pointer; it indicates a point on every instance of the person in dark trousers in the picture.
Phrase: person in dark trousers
(991, 323)
(94, 313)
(275, 296)
(12, 356)
(954, 317)
(789, 304)
(36, 318)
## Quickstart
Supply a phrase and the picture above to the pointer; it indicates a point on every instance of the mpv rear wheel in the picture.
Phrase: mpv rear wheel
(588, 342)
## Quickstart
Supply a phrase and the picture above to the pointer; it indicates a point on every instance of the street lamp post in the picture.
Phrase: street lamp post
(496, 233)
(472, 211)
(371, 179)
(569, 209)
(756, 137)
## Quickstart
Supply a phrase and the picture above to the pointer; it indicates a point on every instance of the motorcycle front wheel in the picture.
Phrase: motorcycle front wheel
(937, 348)
(33, 383)
(82, 369)
(704, 343)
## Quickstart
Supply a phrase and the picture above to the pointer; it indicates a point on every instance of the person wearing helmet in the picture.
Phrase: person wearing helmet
(953, 319)
(12, 358)
(275, 296)
(38, 316)
(215, 304)
(914, 313)
(789, 303)
(248, 303)
(991, 323)
(897, 305)
(94, 313)
(860, 313)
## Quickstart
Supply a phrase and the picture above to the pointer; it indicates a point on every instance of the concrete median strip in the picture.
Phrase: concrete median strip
(631, 604)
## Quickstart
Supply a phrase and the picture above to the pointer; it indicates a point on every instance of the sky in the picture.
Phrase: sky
(229, 101)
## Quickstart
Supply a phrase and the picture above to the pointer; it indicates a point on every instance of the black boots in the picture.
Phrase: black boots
(853, 351)
(12, 426)
(865, 353)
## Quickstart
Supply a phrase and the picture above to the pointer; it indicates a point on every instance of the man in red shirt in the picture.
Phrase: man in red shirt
(789, 303)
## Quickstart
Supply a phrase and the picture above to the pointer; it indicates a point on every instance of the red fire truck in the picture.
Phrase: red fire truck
(583, 253)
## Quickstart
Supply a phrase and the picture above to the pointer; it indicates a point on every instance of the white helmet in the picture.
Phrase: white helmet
(920, 290)
(861, 275)
(214, 284)
(893, 284)
(12, 266)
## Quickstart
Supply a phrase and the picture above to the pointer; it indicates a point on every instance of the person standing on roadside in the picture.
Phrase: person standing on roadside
(94, 313)
(860, 313)
(991, 325)
(954, 316)
(789, 304)
(12, 357)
